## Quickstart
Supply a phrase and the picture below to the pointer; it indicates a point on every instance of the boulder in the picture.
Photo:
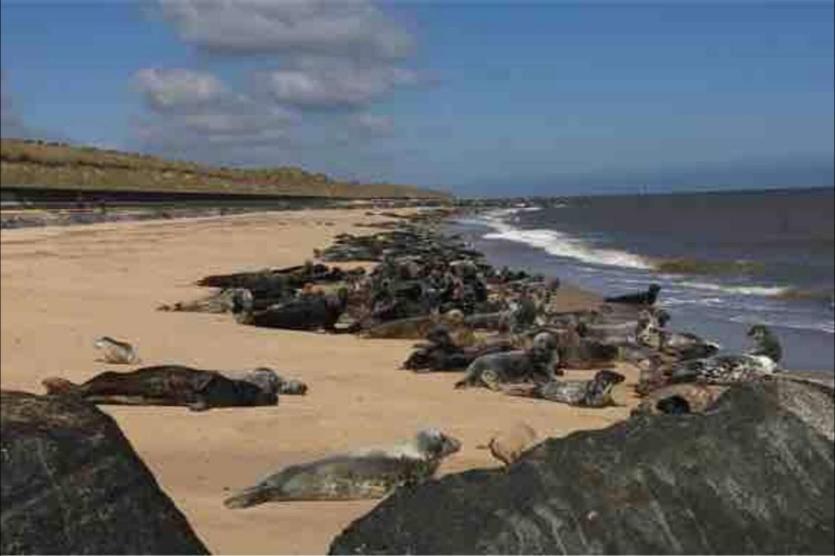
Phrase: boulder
(752, 475)
(72, 484)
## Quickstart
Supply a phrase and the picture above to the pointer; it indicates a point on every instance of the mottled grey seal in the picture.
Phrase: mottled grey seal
(679, 398)
(733, 369)
(361, 475)
(270, 381)
(596, 392)
(537, 363)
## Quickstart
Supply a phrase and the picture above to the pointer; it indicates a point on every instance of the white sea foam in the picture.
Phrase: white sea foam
(760, 291)
(560, 244)
(828, 327)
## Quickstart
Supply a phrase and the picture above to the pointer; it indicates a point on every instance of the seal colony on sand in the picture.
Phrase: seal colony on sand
(501, 327)
(178, 385)
(365, 474)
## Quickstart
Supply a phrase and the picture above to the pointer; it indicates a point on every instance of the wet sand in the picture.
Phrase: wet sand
(62, 287)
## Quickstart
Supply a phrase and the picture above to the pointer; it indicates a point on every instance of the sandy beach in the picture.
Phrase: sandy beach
(64, 286)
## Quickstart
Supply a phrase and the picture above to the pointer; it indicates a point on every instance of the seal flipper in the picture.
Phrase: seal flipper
(248, 497)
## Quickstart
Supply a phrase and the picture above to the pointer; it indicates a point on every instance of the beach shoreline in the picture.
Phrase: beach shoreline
(64, 286)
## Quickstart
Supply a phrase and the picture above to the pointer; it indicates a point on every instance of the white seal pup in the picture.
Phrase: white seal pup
(368, 474)
(116, 352)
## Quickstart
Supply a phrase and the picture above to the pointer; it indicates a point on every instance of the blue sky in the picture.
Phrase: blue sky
(499, 98)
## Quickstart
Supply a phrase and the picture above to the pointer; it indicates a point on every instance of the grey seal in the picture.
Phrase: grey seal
(178, 385)
(596, 392)
(537, 363)
(363, 475)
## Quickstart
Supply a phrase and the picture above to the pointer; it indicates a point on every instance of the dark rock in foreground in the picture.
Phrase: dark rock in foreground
(753, 475)
(72, 484)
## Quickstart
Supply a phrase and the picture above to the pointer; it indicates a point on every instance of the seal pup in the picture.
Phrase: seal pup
(537, 363)
(367, 474)
(176, 385)
(647, 297)
(508, 445)
(596, 392)
(116, 351)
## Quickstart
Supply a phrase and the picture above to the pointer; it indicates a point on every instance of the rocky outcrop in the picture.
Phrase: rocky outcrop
(72, 484)
(752, 475)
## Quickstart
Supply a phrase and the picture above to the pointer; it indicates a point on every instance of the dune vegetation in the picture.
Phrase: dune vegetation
(26, 163)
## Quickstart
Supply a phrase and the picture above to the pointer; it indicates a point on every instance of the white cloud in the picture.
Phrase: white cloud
(166, 89)
(353, 28)
(334, 86)
(317, 68)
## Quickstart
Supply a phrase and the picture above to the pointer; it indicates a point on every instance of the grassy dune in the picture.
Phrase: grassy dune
(40, 164)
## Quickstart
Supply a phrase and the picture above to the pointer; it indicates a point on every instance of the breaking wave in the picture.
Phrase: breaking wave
(560, 244)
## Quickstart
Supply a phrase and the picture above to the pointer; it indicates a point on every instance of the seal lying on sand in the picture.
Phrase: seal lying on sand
(642, 298)
(363, 475)
(441, 353)
(596, 392)
(116, 351)
(578, 352)
(537, 363)
(723, 369)
(679, 398)
(269, 381)
(414, 327)
(165, 385)
(309, 312)
(232, 300)
(684, 345)
(733, 369)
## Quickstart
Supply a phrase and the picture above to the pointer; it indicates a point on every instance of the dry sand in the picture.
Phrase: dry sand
(63, 287)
